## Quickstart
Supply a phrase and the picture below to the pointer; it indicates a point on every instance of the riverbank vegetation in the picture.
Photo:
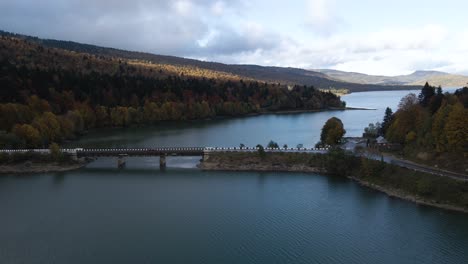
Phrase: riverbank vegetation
(50, 95)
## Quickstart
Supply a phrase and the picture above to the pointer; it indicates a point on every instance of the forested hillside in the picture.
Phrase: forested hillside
(289, 76)
(432, 126)
(49, 94)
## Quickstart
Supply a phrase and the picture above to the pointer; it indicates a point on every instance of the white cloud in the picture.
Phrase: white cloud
(183, 7)
(390, 51)
(247, 38)
(238, 31)
(320, 17)
(218, 8)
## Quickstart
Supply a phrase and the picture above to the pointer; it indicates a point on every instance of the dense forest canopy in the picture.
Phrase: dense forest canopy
(49, 95)
(430, 126)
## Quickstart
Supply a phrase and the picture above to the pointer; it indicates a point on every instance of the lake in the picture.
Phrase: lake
(100, 214)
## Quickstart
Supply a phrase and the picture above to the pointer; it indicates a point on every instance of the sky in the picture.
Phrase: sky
(369, 36)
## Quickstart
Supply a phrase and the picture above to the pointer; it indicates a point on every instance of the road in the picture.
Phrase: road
(416, 166)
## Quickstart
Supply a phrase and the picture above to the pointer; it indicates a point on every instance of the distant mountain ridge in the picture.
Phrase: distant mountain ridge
(284, 75)
(435, 78)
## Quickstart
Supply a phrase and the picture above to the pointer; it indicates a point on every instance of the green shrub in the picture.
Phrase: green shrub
(424, 186)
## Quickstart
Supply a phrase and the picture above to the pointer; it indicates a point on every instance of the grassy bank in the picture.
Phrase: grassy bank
(396, 181)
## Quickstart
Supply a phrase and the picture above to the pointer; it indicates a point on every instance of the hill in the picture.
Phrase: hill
(49, 94)
(289, 76)
(417, 78)
(447, 80)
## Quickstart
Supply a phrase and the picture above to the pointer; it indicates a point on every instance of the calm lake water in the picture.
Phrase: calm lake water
(101, 214)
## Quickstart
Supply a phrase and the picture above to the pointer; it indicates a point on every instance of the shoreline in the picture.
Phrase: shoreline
(311, 110)
(297, 111)
(33, 168)
(395, 193)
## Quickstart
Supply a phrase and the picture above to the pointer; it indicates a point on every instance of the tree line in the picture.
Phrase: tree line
(432, 122)
(44, 98)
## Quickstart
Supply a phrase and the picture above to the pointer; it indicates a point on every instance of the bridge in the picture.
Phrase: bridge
(162, 152)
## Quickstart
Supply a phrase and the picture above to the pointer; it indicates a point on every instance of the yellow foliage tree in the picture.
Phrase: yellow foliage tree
(29, 134)
(332, 131)
(456, 128)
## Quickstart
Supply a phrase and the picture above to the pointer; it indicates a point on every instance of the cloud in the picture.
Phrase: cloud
(307, 33)
(251, 37)
(390, 51)
(320, 17)
(166, 27)
(218, 8)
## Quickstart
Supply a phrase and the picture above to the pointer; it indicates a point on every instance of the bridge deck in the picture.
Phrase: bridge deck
(167, 151)
(140, 152)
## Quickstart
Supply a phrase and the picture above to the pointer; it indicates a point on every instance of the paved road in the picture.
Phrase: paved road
(416, 166)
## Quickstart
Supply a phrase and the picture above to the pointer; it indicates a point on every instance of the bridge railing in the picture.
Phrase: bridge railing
(163, 150)
(249, 149)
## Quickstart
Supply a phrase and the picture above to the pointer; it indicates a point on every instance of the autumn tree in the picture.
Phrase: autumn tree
(55, 153)
(456, 128)
(119, 116)
(102, 116)
(438, 127)
(49, 127)
(332, 132)
(67, 127)
(407, 102)
(77, 120)
(38, 105)
(29, 134)
(11, 114)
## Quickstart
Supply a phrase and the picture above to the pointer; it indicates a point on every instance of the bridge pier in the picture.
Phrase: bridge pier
(162, 161)
(74, 156)
(120, 162)
(205, 156)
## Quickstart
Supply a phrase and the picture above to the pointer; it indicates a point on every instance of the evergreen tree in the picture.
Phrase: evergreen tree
(427, 92)
(387, 120)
